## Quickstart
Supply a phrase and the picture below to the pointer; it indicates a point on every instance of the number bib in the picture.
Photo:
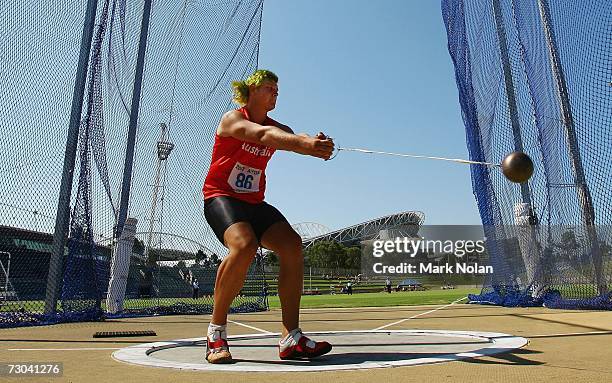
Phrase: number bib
(244, 179)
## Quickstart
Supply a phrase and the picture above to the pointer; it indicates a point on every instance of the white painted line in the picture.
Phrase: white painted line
(251, 327)
(119, 348)
(366, 308)
(65, 349)
(421, 314)
(255, 335)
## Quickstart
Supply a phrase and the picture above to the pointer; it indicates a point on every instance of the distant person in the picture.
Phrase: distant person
(388, 285)
(349, 288)
(195, 286)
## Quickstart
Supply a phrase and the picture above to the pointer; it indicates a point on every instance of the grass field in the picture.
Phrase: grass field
(308, 301)
(402, 298)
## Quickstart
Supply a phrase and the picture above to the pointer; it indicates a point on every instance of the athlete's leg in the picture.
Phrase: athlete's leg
(284, 241)
(242, 244)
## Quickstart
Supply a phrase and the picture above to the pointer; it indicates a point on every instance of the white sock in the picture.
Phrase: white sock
(216, 332)
(292, 338)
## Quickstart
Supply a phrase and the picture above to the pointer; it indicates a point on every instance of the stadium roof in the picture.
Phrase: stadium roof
(404, 224)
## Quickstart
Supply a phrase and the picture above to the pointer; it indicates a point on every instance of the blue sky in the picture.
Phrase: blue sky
(373, 75)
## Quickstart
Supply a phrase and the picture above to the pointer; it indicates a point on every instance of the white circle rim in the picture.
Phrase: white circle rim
(499, 343)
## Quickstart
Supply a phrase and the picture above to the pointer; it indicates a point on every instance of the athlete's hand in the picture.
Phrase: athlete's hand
(319, 135)
(322, 146)
(316, 147)
(322, 136)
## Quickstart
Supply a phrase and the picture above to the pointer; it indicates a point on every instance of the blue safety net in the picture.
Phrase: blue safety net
(536, 76)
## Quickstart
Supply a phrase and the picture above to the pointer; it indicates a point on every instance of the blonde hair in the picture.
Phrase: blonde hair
(241, 88)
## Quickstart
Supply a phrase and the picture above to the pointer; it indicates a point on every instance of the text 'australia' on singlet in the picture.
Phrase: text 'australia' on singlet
(238, 168)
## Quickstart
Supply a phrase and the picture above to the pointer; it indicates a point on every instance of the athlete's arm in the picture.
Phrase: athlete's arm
(235, 125)
(287, 129)
(284, 127)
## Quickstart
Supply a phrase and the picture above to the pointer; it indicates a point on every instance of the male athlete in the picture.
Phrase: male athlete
(234, 207)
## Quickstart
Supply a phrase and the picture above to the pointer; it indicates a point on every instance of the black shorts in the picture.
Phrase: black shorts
(222, 212)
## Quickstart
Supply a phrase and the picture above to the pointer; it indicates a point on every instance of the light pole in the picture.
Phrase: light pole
(164, 147)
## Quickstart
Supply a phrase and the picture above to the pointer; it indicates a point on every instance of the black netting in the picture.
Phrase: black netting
(194, 49)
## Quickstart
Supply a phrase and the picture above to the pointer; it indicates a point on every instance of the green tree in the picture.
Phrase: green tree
(271, 259)
(326, 254)
(199, 257)
(215, 261)
(138, 247)
(569, 244)
(353, 258)
(606, 249)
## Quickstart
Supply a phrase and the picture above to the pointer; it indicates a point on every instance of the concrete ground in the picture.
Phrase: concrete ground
(565, 346)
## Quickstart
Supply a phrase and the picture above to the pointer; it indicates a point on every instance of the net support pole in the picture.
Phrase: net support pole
(131, 138)
(63, 206)
(310, 278)
(510, 93)
(584, 195)
(527, 237)
(120, 267)
(263, 277)
(526, 220)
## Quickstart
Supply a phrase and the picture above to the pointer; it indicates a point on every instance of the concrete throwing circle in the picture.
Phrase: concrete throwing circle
(352, 350)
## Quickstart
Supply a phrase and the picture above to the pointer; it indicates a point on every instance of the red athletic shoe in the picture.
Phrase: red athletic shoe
(304, 349)
(217, 352)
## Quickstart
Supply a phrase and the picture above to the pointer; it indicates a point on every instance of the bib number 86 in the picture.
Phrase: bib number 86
(244, 181)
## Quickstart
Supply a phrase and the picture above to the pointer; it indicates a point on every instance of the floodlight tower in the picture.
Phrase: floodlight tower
(164, 147)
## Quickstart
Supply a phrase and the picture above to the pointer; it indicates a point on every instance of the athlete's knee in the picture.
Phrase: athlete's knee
(291, 245)
(244, 248)
(295, 243)
(241, 240)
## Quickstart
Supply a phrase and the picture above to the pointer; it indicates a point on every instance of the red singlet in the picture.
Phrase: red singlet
(238, 168)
